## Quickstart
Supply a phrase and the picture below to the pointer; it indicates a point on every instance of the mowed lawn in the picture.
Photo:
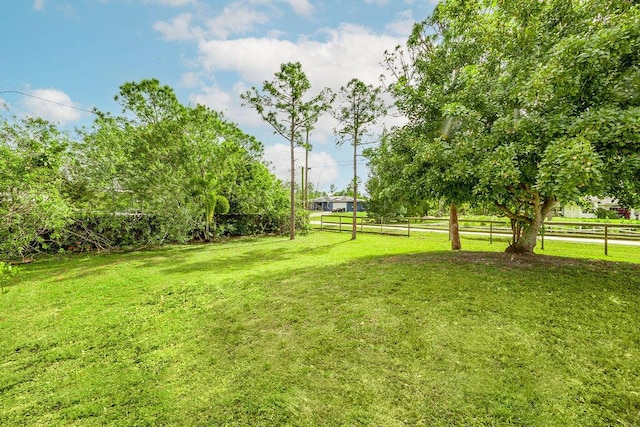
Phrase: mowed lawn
(324, 331)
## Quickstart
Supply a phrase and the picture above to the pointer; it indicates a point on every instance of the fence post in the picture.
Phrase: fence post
(408, 227)
(491, 232)
(606, 240)
(542, 235)
(340, 226)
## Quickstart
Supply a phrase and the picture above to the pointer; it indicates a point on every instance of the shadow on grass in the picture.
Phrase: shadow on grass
(428, 339)
(246, 260)
(223, 256)
(506, 260)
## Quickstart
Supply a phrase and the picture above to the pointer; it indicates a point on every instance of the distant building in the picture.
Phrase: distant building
(572, 210)
(337, 204)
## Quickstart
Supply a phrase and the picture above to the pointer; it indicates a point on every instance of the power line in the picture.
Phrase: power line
(320, 166)
(48, 100)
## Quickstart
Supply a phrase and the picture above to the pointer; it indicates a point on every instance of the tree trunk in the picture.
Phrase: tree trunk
(354, 226)
(454, 230)
(528, 236)
(292, 215)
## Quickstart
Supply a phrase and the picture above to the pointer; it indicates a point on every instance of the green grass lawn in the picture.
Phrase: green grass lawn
(381, 331)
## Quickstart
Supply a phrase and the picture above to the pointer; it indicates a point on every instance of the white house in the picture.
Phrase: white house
(572, 210)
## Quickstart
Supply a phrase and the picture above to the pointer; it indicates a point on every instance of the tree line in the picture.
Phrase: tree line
(511, 105)
(159, 172)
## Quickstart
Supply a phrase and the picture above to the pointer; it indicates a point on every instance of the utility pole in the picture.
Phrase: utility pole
(306, 177)
(302, 185)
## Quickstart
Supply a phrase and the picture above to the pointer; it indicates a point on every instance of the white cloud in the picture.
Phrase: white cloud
(67, 9)
(38, 5)
(179, 28)
(238, 17)
(248, 56)
(301, 7)
(348, 51)
(172, 3)
(191, 79)
(213, 97)
(377, 2)
(323, 168)
(235, 19)
(403, 25)
(51, 104)
(227, 102)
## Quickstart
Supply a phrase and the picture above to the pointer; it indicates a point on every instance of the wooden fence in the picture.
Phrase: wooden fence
(364, 225)
(404, 227)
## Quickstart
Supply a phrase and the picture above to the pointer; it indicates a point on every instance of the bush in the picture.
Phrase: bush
(134, 230)
(7, 271)
(602, 213)
(105, 231)
(303, 225)
(249, 224)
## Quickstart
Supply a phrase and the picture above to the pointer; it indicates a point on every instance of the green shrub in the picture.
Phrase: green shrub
(249, 224)
(602, 213)
(7, 272)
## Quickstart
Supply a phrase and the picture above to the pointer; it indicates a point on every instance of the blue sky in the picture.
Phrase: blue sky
(79, 52)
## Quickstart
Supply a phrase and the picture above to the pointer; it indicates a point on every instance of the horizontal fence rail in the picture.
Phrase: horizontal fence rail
(363, 225)
(405, 226)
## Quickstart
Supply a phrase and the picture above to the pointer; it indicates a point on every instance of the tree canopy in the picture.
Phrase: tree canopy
(33, 204)
(160, 172)
(518, 104)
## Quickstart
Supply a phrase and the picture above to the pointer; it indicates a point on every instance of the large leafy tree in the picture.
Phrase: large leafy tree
(136, 160)
(283, 104)
(393, 192)
(522, 105)
(360, 105)
(33, 206)
(180, 164)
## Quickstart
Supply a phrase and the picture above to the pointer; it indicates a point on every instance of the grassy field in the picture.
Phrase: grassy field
(381, 331)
